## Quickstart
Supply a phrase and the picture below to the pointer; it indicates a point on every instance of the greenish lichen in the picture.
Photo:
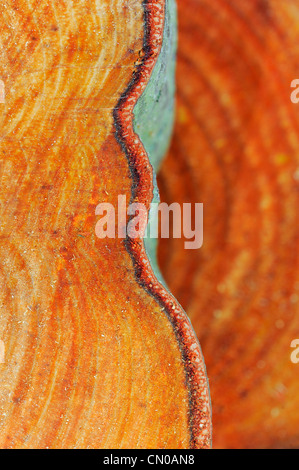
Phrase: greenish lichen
(154, 111)
(154, 114)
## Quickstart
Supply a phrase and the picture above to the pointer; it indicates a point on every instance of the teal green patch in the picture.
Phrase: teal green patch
(154, 114)
(154, 111)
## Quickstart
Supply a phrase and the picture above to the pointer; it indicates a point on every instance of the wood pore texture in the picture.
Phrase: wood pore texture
(91, 358)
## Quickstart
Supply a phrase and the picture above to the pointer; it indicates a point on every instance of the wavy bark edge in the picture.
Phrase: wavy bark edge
(142, 191)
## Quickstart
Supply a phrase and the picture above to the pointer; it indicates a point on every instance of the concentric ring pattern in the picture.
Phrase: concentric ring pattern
(92, 360)
(236, 149)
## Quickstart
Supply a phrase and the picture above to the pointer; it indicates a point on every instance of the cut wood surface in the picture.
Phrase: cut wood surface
(97, 353)
(236, 150)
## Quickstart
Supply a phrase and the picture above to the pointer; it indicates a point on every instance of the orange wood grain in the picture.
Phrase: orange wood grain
(92, 358)
(236, 149)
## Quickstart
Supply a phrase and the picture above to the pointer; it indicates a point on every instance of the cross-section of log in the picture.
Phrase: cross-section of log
(236, 150)
(96, 353)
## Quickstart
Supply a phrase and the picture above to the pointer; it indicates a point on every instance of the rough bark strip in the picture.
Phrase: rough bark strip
(142, 189)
